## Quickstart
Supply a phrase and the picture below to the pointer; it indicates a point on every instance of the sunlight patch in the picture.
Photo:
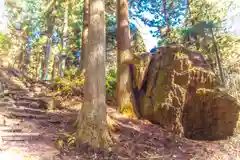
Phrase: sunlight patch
(13, 154)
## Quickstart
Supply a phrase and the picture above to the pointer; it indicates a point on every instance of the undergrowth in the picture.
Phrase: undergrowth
(68, 86)
(111, 79)
(73, 85)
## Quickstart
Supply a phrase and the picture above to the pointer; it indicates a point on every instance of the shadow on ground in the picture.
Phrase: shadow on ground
(134, 139)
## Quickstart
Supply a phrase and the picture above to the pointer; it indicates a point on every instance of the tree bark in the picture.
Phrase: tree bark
(84, 35)
(56, 65)
(24, 52)
(218, 57)
(65, 37)
(50, 23)
(124, 81)
(47, 58)
(38, 67)
(92, 121)
(166, 17)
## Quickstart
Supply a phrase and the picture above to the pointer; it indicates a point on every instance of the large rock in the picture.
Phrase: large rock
(176, 89)
(210, 114)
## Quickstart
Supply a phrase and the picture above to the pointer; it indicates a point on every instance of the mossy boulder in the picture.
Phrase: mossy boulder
(169, 93)
(210, 114)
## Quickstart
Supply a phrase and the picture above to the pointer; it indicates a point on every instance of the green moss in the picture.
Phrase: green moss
(66, 89)
(180, 55)
(206, 113)
(203, 91)
(158, 90)
(216, 113)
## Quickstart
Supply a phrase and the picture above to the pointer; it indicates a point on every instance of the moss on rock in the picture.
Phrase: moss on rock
(177, 91)
(210, 115)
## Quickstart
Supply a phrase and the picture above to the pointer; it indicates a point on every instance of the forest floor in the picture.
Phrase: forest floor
(28, 130)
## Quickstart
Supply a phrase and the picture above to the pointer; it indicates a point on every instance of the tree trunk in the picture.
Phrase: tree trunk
(166, 17)
(50, 23)
(47, 58)
(65, 37)
(21, 53)
(92, 121)
(84, 35)
(55, 69)
(218, 57)
(25, 53)
(124, 81)
(38, 67)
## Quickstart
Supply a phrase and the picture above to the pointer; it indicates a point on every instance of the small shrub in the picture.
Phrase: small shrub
(4, 42)
(70, 73)
(68, 140)
(111, 79)
(65, 86)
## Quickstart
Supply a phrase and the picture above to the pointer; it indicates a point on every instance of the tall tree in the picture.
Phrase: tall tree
(50, 23)
(200, 13)
(165, 14)
(92, 121)
(65, 36)
(166, 18)
(124, 82)
(84, 34)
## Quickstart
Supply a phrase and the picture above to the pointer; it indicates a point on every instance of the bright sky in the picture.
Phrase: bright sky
(234, 23)
(148, 39)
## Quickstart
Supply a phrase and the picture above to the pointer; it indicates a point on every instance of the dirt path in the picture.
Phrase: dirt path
(28, 130)
(21, 131)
